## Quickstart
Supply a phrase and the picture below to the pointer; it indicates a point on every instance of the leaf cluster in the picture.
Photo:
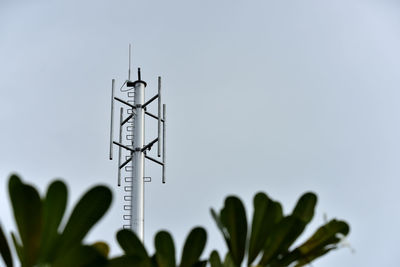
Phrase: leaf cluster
(47, 237)
(42, 241)
(269, 241)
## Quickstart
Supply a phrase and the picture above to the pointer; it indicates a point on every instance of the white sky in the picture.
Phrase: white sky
(275, 96)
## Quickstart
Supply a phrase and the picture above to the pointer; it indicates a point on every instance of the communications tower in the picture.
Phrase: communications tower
(132, 147)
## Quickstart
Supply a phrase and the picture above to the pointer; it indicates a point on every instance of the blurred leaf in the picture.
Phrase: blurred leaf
(5, 249)
(228, 261)
(81, 256)
(298, 259)
(325, 235)
(53, 211)
(277, 242)
(321, 242)
(153, 260)
(127, 261)
(302, 214)
(266, 214)
(102, 247)
(221, 227)
(27, 208)
(87, 212)
(289, 229)
(304, 209)
(306, 261)
(131, 244)
(18, 247)
(165, 250)
(233, 217)
(194, 246)
(200, 264)
(215, 260)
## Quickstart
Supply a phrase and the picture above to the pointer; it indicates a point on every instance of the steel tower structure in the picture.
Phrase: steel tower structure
(133, 150)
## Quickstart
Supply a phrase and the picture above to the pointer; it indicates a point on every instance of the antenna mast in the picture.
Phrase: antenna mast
(134, 148)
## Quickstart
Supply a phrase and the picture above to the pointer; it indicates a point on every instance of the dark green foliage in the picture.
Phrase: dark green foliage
(41, 242)
(89, 210)
(131, 244)
(53, 211)
(215, 260)
(18, 247)
(266, 214)
(5, 249)
(164, 256)
(194, 246)
(80, 255)
(272, 234)
(320, 243)
(233, 217)
(27, 207)
(165, 249)
(38, 221)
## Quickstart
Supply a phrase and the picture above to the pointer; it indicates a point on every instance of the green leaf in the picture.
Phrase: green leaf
(27, 208)
(302, 215)
(299, 260)
(200, 264)
(322, 241)
(266, 214)
(18, 247)
(89, 210)
(325, 235)
(228, 261)
(304, 209)
(282, 235)
(194, 246)
(131, 244)
(165, 250)
(5, 249)
(215, 260)
(102, 247)
(81, 256)
(154, 262)
(306, 261)
(127, 261)
(233, 217)
(289, 229)
(53, 211)
(221, 227)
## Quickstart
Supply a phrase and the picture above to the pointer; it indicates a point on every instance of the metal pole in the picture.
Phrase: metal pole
(164, 142)
(137, 219)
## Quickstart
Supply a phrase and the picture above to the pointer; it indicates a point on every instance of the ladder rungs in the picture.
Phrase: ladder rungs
(126, 226)
(127, 198)
(128, 179)
(128, 188)
(128, 168)
(127, 217)
(127, 207)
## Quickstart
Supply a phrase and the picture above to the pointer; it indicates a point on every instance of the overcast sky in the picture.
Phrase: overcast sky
(275, 96)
